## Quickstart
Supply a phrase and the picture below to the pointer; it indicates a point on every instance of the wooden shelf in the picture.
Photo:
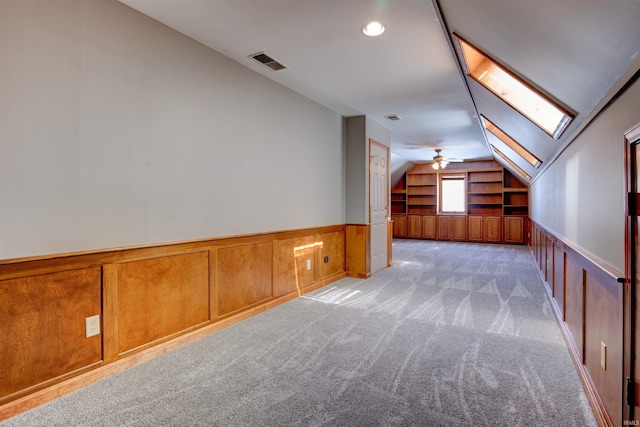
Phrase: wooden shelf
(496, 205)
(399, 201)
(421, 179)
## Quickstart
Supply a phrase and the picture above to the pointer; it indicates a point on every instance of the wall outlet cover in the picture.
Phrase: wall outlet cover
(92, 325)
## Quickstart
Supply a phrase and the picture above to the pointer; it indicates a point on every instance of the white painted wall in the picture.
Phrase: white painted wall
(581, 196)
(358, 131)
(116, 130)
(357, 185)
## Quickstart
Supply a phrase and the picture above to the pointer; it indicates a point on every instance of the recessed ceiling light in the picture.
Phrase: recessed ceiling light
(373, 28)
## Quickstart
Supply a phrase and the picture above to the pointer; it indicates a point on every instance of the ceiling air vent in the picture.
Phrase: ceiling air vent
(393, 117)
(268, 61)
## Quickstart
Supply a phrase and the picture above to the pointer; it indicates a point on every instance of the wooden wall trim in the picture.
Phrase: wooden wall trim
(604, 271)
(358, 250)
(258, 272)
(588, 278)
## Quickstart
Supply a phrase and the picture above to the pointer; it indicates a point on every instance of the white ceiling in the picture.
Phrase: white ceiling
(574, 51)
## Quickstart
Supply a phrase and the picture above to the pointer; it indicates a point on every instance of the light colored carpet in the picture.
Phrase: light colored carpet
(452, 334)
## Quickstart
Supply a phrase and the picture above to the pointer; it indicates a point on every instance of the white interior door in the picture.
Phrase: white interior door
(378, 204)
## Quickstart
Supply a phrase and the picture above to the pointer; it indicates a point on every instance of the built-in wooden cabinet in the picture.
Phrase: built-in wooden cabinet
(459, 228)
(429, 227)
(493, 229)
(513, 229)
(399, 225)
(496, 205)
(475, 228)
(414, 226)
(444, 227)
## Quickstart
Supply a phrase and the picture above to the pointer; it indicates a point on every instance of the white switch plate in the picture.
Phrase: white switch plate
(92, 325)
(308, 264)
(603, 355)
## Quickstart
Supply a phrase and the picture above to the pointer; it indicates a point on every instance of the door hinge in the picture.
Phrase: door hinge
(631, 392)
(632, 203)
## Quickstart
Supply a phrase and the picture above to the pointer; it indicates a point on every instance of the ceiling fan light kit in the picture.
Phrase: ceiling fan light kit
(439, 161)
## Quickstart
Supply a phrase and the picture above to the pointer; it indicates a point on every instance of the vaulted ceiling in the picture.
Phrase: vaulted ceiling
(576, 53)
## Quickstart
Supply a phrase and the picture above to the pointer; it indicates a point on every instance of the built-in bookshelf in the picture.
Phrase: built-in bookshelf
(516, 196)
(484, 192)
(496, 211)
(422, 191)
(399, 197)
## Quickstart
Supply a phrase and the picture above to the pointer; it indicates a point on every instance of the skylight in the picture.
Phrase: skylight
(510, 162)
(520, 95)
(511, 143)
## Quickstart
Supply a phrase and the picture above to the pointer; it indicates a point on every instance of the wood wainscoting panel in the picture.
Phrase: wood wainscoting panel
(159, 297)
(604, 324)
(291, 258)
(559, 278)
(151, 299)
(574, 308)
(539, 241)
(43, 327)
(244, 276)
(358, 251)
(331, 252)
(548, 272)
(543, 256)
(588, 302)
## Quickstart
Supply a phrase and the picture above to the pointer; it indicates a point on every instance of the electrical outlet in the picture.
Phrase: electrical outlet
(603, 355)
(308, 264)
(92, 325)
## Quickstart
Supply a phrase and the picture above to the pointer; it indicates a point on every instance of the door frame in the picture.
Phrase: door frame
(632, 174)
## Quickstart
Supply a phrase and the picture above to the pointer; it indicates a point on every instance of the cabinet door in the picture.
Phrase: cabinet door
(513, 229)
(459, 228)
(414, 229)
(493, 229)
(444, 228)
(429, 227)
(475, 228)
(399, 225)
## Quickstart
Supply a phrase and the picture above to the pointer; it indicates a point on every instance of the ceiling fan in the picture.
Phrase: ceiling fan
(440, 161)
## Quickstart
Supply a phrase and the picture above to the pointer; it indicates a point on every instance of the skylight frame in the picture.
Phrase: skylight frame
(516, 86)
(511, 163)
(525, 154)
